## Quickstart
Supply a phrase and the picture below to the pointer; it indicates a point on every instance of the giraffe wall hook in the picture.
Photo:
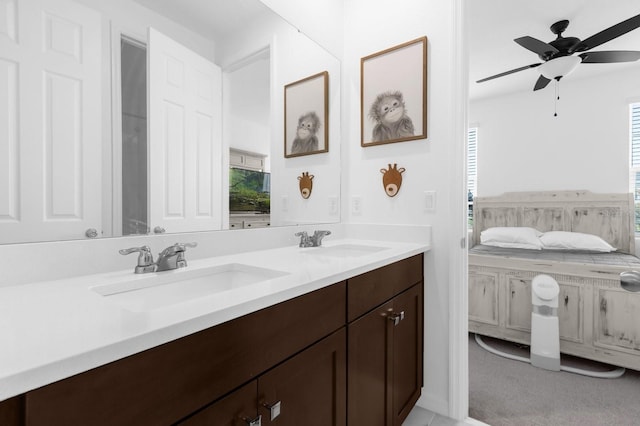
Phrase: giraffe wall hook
(306, 184)
(392, 179)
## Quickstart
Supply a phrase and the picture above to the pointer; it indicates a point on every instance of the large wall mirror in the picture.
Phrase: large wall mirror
(126, 117)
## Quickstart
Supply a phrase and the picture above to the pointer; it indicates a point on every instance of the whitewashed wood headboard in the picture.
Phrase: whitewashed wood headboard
(610, 216)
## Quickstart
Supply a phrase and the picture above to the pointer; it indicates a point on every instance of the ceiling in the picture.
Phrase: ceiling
(494, 24)
(210, 18)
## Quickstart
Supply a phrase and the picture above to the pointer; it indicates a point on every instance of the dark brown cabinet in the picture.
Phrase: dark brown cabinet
(385, 351)
(308, 389)
(238, 408)
(349, 353)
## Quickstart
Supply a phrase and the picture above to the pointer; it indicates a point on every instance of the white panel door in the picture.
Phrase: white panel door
(50, 120)
(185, 138)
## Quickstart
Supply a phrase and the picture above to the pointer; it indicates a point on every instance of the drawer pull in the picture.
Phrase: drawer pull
(396, 317)
(274, 409)
(253, 422)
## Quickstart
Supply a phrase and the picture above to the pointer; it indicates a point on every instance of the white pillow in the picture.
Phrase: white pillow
(514, 237)
(564, 240)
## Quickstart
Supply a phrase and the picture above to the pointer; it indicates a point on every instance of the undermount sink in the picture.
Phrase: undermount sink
(344, 250)
(146, 292)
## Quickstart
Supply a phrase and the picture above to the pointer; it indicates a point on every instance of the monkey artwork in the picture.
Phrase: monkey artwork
(390, 115)
(306, 139)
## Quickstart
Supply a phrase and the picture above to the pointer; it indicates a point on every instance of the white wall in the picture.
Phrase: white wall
(322, 21)
(523, 147)
(432, 164)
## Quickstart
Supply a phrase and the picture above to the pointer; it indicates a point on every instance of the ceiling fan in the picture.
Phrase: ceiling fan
(558, 55)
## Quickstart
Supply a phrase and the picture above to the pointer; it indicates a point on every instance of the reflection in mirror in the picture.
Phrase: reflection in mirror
(86, 147)
(133, 64)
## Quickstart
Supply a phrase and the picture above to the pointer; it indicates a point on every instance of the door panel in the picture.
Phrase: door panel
(185, 138)
(369, 368)
(407, 352)
(310, 386)
(50, 76)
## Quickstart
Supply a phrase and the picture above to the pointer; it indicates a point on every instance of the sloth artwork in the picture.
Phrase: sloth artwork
(306, 139)
(390, 115)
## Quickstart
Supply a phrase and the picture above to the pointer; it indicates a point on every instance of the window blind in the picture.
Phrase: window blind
(472, 159)
(634, 156)
(472, 171)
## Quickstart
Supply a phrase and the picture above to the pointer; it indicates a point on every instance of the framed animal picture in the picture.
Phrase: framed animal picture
(306, 116)
(393, 94)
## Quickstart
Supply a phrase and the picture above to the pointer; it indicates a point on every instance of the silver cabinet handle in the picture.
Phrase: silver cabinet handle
(396, 317)
(159, 230)
(274, 409)
(91, 233)
(253, 422)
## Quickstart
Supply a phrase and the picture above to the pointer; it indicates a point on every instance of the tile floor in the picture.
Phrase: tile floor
(421, 417)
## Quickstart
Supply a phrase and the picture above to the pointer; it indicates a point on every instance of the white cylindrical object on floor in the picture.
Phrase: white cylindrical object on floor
(545, 328)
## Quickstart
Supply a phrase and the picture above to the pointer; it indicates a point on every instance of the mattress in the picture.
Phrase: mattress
(567, 256)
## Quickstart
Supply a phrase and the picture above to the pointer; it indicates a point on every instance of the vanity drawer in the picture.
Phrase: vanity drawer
(167, 383)
(368, 290)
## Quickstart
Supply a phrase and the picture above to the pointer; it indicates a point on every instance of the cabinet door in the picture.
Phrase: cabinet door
(407, 352)
(308, 389)
(238, 408)
(368, 360)
(12, 411)
(385, 361)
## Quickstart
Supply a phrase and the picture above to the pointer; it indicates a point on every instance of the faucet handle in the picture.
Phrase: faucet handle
(184, 246)
(304, 238)
(177, 248)
(145, 258)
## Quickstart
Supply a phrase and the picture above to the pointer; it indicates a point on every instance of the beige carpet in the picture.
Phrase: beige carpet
(507, 392)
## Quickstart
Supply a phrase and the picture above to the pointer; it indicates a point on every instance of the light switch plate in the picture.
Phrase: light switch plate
(429, 200)
(356, 205)
(333, 205)
(285, 203)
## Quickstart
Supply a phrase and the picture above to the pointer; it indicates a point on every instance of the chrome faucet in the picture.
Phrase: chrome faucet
(170, 258)
(173, 257)
(314, 240)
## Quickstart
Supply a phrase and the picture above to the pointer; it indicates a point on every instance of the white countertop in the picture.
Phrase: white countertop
(55, 329)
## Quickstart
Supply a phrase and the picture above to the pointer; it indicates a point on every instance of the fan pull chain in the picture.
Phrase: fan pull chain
(555, 106)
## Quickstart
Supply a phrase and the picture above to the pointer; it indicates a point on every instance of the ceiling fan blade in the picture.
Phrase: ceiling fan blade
(541, 83)
(536, 46)
(608, 56)
(502, 74)
(607, 35)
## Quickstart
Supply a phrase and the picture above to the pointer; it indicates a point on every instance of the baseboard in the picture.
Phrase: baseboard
(432, 403)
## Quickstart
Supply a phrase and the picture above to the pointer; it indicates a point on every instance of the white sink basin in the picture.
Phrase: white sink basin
(146, 292)
(344, 250)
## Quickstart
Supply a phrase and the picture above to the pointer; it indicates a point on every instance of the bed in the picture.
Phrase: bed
(599, 320)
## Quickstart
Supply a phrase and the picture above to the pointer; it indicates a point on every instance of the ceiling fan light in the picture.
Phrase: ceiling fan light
(559, 67)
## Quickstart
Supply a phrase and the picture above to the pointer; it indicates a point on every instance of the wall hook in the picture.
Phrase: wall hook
(306, 184)
(392, 179)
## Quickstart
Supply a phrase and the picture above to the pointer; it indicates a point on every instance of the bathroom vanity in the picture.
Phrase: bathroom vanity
(345, 351)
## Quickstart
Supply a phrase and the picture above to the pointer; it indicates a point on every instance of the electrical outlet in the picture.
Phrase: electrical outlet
(356, 205)
(429, 200)
(333, 205)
